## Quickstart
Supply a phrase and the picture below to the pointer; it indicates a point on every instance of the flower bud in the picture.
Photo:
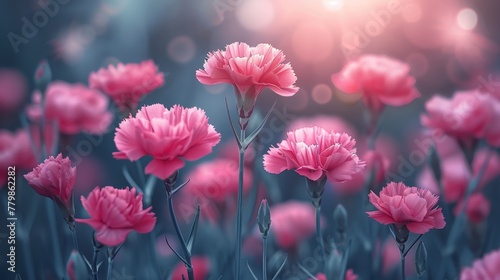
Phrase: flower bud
(264, 218)
(43, 75)
(421, 259)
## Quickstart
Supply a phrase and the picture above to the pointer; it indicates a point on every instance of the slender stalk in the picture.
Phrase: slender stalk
(75, 240)
(319, 235)
(56, 246)
(239, 205)
(94, 262)
(152, 253)
(264, 259)
(403, 276)
(140, 171)
(110, 263)
(182, 242)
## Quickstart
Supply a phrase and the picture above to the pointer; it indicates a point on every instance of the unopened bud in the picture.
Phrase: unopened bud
(43, 75)
(170, 182)
(421, 259)
(264, 218)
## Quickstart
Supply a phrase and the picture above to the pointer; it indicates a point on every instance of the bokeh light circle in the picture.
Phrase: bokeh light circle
(312, 42)
(255, 15)
(333, 5)
(467, 19)
(181, 49)
(322, 93)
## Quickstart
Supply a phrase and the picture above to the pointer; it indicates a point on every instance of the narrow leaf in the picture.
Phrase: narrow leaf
(256, 132)
(194, 230)
(238, 140)
(251, 272)
(175, 252)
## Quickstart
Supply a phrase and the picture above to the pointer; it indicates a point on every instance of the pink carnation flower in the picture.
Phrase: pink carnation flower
(381, 80)
(126, 84)
(114, 213)
(15, 150)
(54, 178)
(477, 210)
(249, 70)
(216, 180)
(407, 206)
(486, 268)
(76, 108)
(167, 135)
(314, 153)
(201, 269)
(292, 223)
(466, 116)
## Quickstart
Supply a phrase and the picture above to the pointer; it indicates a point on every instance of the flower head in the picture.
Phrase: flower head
(126, 84)
(408, 207)
(75, 108)
(477, 209)
(114, 213)
(249, 70)
(381, 80)
(485, 268)
(53, 178)
(315, 153)
(292, 223)
(466, 116)
(167, 135)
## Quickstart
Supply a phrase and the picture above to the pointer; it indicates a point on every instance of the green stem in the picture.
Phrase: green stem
(239, 205)
(152, 253)
(264, 259)
(110, 264)
(403, 276)
(94, 262)
(182, 242)
(319, 235)
(56, 246)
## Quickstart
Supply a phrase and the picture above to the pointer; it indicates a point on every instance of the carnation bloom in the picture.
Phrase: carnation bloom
(477, 210)
(75, 108)
(381, 80)
(13, 89)
(407, 206)
(201, 269)
(249, 70)
(15, 150)
(292, 223)
(468, 115)
(456, 173)
(114, 213)
(126, 84)
(315, 153)
(55, 178)
(167, 135)
(216, 180)
(486, 268)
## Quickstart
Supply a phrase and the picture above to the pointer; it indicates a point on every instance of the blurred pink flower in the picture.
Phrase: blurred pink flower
(54, 178)
(15, 150)
(216, 181)
(13, 90)
(381, 80)
(201, 269)
(126, 84)
(327, 122)
(314, 152)
(249, 70)
(374, 161)
(477, 210)
(292, 223)
(349, 275)
(167, 135)
(407, 206)
(114, 213)
(75, 107)
(466, 116)
(456, 173)
(483, 269)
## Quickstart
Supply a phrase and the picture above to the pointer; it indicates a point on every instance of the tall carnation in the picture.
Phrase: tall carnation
(126, 84)
(381, 80)
(169, 136)
(249, 70)
(315, 153)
